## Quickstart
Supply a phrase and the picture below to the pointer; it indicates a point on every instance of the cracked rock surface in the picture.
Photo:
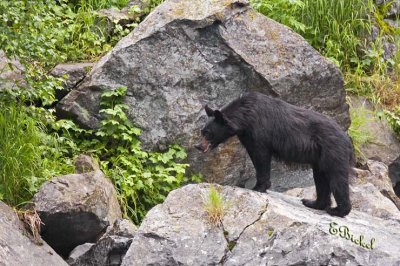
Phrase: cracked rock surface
(188, 53)
(257, 229)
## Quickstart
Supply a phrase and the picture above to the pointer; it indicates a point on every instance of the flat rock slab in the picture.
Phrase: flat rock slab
(17, 249)
(259, 229)
(188, 53)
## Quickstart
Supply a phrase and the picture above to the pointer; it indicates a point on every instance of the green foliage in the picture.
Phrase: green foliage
(19, 154)
(98, 4)
(143, 179)
(393, 118)
(284, 11)
(334, 27)
(28, 155)
(358, 130)
(34, 145)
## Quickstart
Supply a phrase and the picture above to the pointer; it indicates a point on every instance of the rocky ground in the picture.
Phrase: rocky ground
(270, 228)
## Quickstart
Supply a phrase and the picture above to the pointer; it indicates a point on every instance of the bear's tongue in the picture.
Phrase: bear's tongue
(207, 148)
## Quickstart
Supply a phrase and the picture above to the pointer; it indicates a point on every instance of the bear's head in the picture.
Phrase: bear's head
(216, 131)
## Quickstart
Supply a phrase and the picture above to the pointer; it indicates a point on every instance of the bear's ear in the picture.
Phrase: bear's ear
(209, 111)
(219, 117)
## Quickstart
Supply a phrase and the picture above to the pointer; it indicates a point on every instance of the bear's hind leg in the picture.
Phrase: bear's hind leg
(340, 189)
(323, 190)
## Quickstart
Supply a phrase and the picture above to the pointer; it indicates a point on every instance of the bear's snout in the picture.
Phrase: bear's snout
(203, 146)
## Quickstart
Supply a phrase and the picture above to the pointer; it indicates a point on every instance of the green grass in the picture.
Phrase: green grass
(358, 130)
(214, 205)
(28, 154)
(334, 27)
(20, 157)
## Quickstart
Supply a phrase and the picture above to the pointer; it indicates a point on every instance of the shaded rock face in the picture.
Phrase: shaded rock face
(17, 249)
(394, 173)
(189, 53)
(257, 229)
(109, 250)
(76, 209)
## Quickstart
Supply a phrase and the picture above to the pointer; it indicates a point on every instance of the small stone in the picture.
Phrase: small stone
(85, 164)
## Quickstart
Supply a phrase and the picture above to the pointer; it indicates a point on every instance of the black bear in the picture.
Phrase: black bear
(269, 127)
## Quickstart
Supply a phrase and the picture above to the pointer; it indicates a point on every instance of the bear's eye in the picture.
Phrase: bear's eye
(208, 134)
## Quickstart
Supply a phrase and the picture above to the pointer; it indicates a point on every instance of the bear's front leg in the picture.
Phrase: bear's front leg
(262, 164)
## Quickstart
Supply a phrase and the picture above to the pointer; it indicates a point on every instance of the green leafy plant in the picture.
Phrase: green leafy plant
(393, 118)
(143, 179)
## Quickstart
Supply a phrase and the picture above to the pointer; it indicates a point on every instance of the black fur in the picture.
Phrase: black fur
(269, 127)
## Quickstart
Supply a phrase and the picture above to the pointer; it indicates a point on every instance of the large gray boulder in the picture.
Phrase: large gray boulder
(259, 229)
(188, 53)
(76, 209)
(17, 248)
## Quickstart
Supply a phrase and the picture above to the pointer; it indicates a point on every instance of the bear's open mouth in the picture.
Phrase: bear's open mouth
(204, 145)
(207, 148)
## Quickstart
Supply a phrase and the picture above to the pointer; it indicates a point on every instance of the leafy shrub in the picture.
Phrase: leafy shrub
(143, 179)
